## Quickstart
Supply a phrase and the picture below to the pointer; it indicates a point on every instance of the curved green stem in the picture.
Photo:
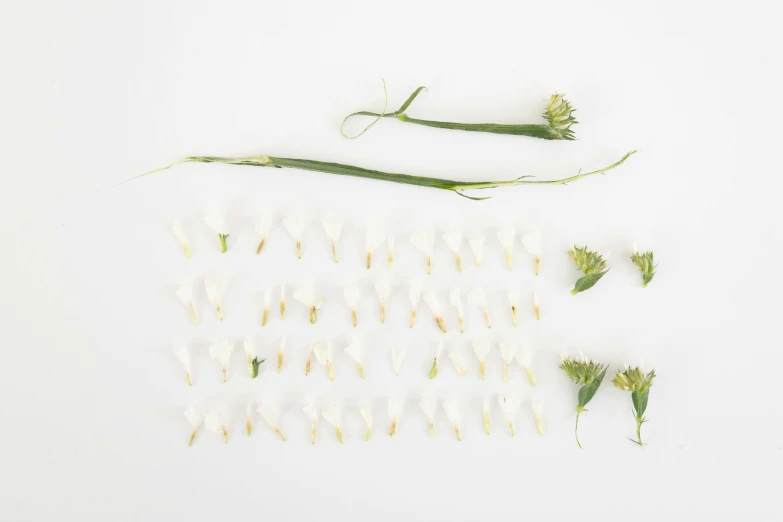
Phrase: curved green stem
(639, 422)
(579, 410)
(407, 179)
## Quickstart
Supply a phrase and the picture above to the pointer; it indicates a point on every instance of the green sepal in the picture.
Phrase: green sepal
(223, 245)
(256, 363)
(646, 278)
(434, 369)
(587, 282)
(587, 392)
(639, 399)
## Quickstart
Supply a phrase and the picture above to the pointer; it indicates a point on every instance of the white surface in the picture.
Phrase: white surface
(93, 399)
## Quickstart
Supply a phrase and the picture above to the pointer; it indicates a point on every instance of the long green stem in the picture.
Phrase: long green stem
(639, 422)
(579, 410)
(350, 170)
(558, 115)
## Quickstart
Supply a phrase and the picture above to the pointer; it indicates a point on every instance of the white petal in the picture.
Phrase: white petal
(390, 244)
(176, 227)
(398, 356)
(332, 229)
(382, 288)
(354, 351)
(366, 412)
(452, 411)
(456, 299)
(213, 289)
(212, 422)
(524, 356)
(305, 295)
(194, 417)
(185, 293)
(269, 414)
(439, 351)
(332, 415)
(476, 297)
(432, 301)
(374, 237)
(395, 407)
(267, 297)
(414, 292)
(537, 405)
(532, 242)
(182, 353)
(221, 351)
(634, 247)
(509, 404)
(216, 220)
(457, 359)
(453, 240)
(294, 226)
(506, 237)
(250, 350)
(508, 351)
(481, 349)
(428, 405)
(264, 224)
(323, 352)
(477, 247)
(351, 296)
(513, 297)
(423, 241)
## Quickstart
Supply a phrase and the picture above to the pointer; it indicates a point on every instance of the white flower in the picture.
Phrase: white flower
(306, 296)
(194, 417)
(323, 352)
(333, 228)
(352, 299)
(537, 406)
(438, 353)
(509, 405)
(309, 357)
(432, 301)
(282, 301)
(455, 298)
(453, 240)
(182, 354)
(249, 418)
(185, 295)
(267, 304)
(383, 290)
(424, 241)
(485, 415)
(222, 353)
(525, 360)
(477, 247)
(176, 227)
(372, 240)
(213, 423)
(366, 412)
(513, 301)
(250, 354)
(506, 237)
(429, 405)
(395, 408)
(389, 251)
(532, 243)
(263, 226)
(507, 353)
(295, 226)
(414, 296)
(332, 415)
(452, 413)
(354, 351)
(476, 297)
(271, 417)
(481, 349)
(280, 353)
(458, 360)
(398, 356)
(214, 294)
(536, 307)
(217, 221)
(634, 248)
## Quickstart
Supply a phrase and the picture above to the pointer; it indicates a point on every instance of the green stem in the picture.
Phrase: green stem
(639, 422)
(579, 410)
(542, 131)
(407, 179)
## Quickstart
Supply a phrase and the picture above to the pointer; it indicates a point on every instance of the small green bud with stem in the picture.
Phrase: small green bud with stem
(591, 264)
(646, 264)
(589, 375)
(635, 381)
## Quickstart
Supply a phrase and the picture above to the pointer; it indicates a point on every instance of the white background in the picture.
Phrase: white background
(92, 399)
